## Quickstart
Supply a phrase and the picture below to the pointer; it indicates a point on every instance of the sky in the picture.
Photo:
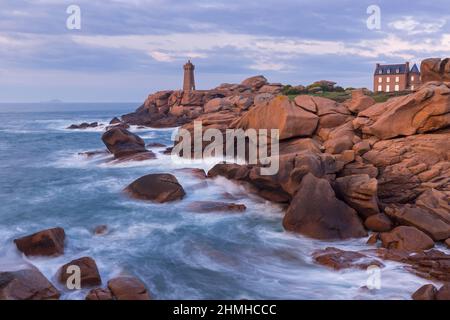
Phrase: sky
(127, 49)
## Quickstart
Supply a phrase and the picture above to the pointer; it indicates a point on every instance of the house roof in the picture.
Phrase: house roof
(391, 69)
(402, 68)
(415, 69)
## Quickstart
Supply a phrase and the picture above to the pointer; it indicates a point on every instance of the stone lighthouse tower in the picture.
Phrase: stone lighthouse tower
(189, 82)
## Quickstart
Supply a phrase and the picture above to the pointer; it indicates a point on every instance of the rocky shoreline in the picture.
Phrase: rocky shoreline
(347, 170)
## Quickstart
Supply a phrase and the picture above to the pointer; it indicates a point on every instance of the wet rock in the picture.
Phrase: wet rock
(340, 259)
(316, 212)
(101, 230)
(435, 69)
(423, 111)
(161, 187)
(360, 193)
(444, 292)
(281, 114)
(83, 125)
(123, 143)
(115, 120)
(90, 154)
(195, 172)
(90, 276)
(213, 206)
(128, 288)
(447, 242)
(121, 125)
(43, 243)
(373, 238)
(99, 294)
(379, 223)
(26, 284)
(156, 145)
(426, 292)
(406, 238)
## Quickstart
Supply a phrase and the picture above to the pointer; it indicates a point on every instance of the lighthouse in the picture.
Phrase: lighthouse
(188, 81)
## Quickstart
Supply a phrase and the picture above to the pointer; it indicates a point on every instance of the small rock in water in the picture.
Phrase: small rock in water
(43, 243)
(101, 230)
(340, 259)
(156, 145)
(99, 294)
(158, 187)
(128, 288)
(212, 206)
(89, 272)
(198, 173)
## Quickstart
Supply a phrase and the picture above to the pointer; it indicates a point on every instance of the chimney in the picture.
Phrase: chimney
(407, 67)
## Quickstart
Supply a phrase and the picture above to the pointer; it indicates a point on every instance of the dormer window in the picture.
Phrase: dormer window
(388, 71)
(397, 71)
(380, 71)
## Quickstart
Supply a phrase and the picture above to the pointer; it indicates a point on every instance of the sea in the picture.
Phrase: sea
(46, 182)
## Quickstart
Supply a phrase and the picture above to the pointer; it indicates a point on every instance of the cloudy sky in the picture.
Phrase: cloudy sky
(126, 49)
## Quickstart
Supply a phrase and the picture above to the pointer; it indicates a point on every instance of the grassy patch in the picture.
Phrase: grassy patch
(342, 96)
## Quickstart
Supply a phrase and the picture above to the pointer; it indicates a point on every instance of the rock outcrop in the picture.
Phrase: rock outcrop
(159, 187)
(43, 243)
(426, 110)
(406, 238)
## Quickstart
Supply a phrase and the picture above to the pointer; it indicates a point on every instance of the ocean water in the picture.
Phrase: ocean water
(45, 183)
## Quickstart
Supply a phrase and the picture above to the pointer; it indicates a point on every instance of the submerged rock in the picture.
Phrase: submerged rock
(158, 187)
(213, 206)
(43, 243)
(26, 284)
(100, 294)
(83, 125)
(340, 259)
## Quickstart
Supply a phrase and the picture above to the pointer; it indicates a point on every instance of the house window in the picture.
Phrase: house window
(388, 79)
(397, 71)
(412, 78)
(397, 87)
(397, 79)
(380, 72)
(412, 87)
(380, 80)
(380, 88)
(388, 88)
(388, 71)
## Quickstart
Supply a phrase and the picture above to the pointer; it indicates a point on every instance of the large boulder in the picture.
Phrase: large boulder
(88, 271)
(123, 143)
(444, 292)
(435, 69)
(43, 243)
(99, 294)
(216, 104)
(423, 111)
(26, 284)
(255, 82)
(316, 212)
(281, 114)
(406, 238)
(128, 288)
(359, 101)
(359, 192)
(378, 223)
(159, 187)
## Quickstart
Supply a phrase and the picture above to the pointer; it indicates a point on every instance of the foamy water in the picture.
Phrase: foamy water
(178, 254)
